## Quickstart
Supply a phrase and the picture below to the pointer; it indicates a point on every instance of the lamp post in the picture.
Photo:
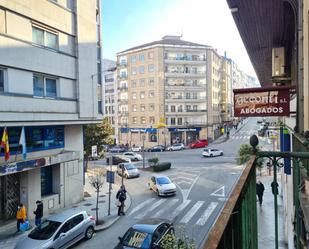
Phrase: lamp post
(143, 138)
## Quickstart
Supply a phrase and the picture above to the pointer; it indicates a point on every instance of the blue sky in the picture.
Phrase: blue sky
(129, 23)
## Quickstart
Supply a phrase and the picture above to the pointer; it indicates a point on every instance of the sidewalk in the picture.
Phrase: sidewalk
(8, 237)
(266, 218)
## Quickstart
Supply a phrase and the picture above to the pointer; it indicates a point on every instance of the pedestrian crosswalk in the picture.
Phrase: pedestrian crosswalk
(187, 211)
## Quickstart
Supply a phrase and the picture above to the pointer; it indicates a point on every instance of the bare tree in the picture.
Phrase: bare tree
(96, 182)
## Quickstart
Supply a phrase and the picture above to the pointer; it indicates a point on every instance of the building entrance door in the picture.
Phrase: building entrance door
(9, 196)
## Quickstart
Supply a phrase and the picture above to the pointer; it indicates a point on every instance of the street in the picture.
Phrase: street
(203, 186)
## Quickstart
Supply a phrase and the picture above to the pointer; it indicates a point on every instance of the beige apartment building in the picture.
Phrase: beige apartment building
(50, 86)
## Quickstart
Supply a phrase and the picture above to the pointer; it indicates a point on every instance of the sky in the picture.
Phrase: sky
(129, 23)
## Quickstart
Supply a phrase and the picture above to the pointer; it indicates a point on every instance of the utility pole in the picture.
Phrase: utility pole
(143, 150)
(110, 186)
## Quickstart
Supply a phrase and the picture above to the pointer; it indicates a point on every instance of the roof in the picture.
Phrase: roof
(61, 217)
(168, 40)
(149, 225)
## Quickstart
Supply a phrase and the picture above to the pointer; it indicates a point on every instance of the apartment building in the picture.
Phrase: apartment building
(50, 86)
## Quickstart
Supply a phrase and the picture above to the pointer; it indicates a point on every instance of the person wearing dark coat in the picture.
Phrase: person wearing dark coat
(38, 213)
(260, 191)
(274, 188)
(121, 196)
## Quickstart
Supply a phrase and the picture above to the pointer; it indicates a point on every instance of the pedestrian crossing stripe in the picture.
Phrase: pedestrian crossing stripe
(141, 205)
(152, 207)
(179, 209)
(191, 212)
(168, 205)
(207, 213)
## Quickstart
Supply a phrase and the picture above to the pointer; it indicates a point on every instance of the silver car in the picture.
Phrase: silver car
(59, 231)
(128, 170)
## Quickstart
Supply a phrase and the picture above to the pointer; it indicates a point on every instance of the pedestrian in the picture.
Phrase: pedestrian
(38, 212)
(260, 191)
(274, 188)
(121, 196)
(20, 215)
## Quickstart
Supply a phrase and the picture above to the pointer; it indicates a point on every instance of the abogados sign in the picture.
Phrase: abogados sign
(261, 102)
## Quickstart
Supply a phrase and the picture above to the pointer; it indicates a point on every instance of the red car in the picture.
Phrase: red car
(199, 144)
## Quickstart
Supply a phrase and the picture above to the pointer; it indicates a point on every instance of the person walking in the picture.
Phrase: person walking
(274, 188)
(20, 215)
(38, 212)
(121, 196)
(260, 191)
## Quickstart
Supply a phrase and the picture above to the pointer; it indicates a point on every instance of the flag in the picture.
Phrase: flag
(5, 144)
(22, 142)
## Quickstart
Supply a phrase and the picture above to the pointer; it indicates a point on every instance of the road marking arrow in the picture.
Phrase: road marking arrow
(219, 192)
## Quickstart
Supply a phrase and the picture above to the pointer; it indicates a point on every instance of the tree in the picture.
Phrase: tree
(97, 134)
(244, 153)
(96, 182)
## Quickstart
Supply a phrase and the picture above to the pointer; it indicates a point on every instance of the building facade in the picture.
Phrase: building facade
(50, 85)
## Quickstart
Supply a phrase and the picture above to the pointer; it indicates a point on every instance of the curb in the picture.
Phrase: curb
(112, 221)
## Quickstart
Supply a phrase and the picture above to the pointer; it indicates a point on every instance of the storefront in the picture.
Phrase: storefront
(138, 136)
(184, 135)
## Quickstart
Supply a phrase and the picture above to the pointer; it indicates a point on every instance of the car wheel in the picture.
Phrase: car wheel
(221, 154)
(89, 233)
(161, 150)
(211, 155)
(158, 193)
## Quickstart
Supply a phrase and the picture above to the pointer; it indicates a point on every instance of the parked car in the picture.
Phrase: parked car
(162, 185)
(118, 159)
(128, 170)
(147, 234)
(199, 144)
(59, 231)
(178, 146)
(117, 149)
(208, 152)
(157, 148)
(133, 156)
(262, 130)
(136, 148)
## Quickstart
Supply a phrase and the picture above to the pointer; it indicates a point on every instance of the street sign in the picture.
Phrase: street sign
(94, 151)
(110, 176)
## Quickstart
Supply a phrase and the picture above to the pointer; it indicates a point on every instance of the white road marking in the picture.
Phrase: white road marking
(219, 192)
(182, 177)
(191, 212)
(141, 205)
(167, 206)
(207, 213)
(179, 209)
(154, 206)
(182, 182)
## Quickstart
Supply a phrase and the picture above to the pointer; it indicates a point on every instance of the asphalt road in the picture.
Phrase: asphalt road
(203, 186)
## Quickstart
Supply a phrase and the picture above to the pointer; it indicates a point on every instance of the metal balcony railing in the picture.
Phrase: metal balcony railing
(184, 58)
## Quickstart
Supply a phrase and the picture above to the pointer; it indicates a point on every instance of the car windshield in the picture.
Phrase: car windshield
(206, 149)
(137, 239)
(163, 180)
(45, 230)
(129, 166)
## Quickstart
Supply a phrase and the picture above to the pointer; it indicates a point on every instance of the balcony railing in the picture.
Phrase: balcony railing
(184, 58)
(186, 85)
(185, 72)
(123, 88)
(186, 98)
(123, 76)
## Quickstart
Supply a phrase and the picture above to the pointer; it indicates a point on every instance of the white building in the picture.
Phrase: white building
(50, 83)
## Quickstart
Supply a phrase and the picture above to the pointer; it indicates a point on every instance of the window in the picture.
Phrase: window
(173, 108)
(195, 107)
(44, 86)
(151, 107)
(44, 38)
(133, 58)
(77, 219)
(133, 95)
(152, 120)
(141, 69)
(46, 181)
(188, 108)
(133, 83)
(143, 108)
(133, 70)
(134, 108)
(179, 108)
(142, 82)
(143, 120)
(150, 55)
(150, 68)
(151, 81)
(142, 95)
(100, 107)
(1, 80)
(142, 57)
(134, 120)
(179, 121)
(173, 121)
(151, 94)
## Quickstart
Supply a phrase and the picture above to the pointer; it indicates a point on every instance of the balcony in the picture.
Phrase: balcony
(123, 76)
(187, 86)
(122, 64)
(180, 74)
(187, 112)
(123, 88)
(185, 59)
(123, 113)
(184, 99)
(123, 101)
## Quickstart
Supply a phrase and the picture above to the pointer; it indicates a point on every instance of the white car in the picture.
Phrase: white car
(178, 146)
(162, 185)
(136, 148)
(212, 152)
(133, 156)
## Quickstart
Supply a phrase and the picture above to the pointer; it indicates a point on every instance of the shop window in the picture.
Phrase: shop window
(173, 121)
(46, 181)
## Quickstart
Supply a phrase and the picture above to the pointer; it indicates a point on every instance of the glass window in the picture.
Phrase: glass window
(179, 121)
(151, 94)
(142, 57)
(133, 70)
(151, 120)
(134, 108)
(133, 83)
(150, 55)
(151, 107)
(51, 88)
(1, 80)
(46, 181)
(142, 69)
(51, 40)
(38, 36)
(143, 120)
(100, 107)
(133, 95)
(173, 108)
(150, 68)
(142, 82)
(173, 121)
(45, 230)
(143, 108)
(134, 120)
(77, 219)
(142, 95)
(133, 58)
(38, 86)
(151, 82)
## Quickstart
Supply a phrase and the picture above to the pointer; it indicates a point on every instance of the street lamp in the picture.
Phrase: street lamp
(143, 138)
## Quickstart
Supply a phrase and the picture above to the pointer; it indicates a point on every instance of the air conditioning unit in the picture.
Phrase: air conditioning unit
(278, 62)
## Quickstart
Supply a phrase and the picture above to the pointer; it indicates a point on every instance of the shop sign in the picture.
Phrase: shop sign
(184, 129)
(23, 166)
(261, 102)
